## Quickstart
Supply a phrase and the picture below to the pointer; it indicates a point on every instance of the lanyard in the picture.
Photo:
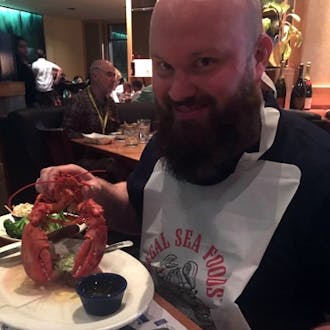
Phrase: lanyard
(103, 121)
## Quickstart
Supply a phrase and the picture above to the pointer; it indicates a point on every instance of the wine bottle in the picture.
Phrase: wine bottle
(297, 100)
(309, 90)
(281, 87)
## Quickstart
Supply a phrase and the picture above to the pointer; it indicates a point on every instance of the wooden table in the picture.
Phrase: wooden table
(117, 148)
(183, 319)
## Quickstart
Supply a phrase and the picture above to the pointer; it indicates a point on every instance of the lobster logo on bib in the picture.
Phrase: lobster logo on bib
(188, 269)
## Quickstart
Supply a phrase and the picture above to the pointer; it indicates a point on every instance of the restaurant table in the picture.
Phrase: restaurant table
(117, 148)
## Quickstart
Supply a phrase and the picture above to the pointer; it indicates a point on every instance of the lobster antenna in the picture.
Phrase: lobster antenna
(13, 195)
(8, 208)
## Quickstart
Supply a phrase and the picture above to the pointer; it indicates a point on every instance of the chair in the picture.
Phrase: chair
(58, 145)
(131, 112)
(25, 152)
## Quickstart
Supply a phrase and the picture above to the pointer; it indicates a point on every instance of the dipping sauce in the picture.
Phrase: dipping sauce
(101, 294)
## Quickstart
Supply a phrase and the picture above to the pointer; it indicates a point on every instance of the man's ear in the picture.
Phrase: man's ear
(93, 74)
(263, 50)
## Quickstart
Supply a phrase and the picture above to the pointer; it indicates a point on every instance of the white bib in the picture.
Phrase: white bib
(208, 240)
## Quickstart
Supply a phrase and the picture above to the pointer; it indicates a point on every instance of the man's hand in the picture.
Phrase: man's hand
(114, 198)
(46, 183)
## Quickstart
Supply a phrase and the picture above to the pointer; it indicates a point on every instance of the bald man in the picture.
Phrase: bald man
(230, 195)
(93, 110)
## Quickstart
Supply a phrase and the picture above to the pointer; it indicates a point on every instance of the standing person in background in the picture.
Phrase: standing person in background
(47, 75)
(24, 71)
(93, 109)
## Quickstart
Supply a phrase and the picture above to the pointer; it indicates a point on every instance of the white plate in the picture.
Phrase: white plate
(3, 232)
(97, 138)
(25, 305)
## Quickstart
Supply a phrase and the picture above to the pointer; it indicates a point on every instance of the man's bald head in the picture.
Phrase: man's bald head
(249, 11)
(102, 74)
(101, 65)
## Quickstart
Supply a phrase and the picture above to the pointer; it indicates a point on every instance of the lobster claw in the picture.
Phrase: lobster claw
(36, 257)
(91, 251)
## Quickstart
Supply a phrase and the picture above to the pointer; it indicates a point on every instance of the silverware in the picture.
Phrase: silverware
(10, 249)
(65, 232)
(119, 245)
(16, 247)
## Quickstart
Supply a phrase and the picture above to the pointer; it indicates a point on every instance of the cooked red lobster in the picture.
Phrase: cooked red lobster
(36, 255)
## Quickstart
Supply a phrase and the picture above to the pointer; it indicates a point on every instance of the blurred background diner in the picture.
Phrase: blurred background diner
(24, 71)
(92, 109)
(47, 75)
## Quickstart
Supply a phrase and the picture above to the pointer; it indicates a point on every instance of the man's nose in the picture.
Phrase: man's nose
(181, 87)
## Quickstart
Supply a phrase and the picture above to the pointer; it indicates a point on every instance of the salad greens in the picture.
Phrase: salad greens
(14, 229)
(52, 226)
(65, 264)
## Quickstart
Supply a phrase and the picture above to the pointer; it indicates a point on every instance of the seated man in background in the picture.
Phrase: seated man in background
(47, 75)
(92, 109)
(230, 195)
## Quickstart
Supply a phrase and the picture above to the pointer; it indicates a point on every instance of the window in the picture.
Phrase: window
(118, 47)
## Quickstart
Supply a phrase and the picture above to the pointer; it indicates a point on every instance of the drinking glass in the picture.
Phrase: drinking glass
(131, 132)
(144, 130)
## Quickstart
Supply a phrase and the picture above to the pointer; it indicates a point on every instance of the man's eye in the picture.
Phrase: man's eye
(164, 67)
(204, 62)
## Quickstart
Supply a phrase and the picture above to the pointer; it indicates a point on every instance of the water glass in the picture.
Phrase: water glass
(144, 130)
(131, 132)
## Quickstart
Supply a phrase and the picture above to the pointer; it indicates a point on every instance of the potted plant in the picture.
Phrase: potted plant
(278, 19)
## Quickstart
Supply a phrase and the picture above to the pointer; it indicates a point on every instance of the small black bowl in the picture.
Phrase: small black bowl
(101, 294)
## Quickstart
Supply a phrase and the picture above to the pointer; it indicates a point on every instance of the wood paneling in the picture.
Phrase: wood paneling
(11, 88)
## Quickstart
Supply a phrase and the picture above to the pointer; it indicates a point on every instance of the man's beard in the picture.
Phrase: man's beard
(207, 152)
